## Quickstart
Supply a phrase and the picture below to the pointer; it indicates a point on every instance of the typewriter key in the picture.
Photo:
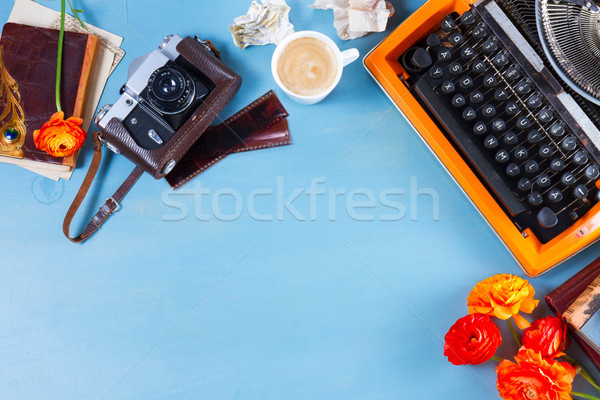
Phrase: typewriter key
(592, 172)
(557, 165)
(476, 97)
(521, 153)
(580, 158)
(524, 185)
(543, 180)
(513, 169)
(567, 178)
(448, 24)
(532, 166)
(511, 108)
(469, 114)
(580, 191)
(568, 144)
(555, 195)
(535, 199)
(547, 218)
(467, 18)
(490, 142)
(480, 31)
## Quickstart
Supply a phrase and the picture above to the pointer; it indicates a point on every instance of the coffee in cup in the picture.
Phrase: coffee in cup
(307, 66)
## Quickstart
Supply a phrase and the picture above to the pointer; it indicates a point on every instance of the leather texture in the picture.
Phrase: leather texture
(30, 57)
(259, 125)
(561, 298)
(227, 84)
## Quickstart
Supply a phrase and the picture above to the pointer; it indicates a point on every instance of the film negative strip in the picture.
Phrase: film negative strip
(259, 125)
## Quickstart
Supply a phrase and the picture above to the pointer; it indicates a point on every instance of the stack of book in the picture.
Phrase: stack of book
(28, 60)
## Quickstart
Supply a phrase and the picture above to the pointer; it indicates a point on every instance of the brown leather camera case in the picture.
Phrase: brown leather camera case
(226, 83)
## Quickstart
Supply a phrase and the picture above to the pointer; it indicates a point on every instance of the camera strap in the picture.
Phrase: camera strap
(260, 125)
(110, 205)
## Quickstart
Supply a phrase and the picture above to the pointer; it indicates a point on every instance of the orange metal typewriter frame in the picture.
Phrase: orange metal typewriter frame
(382, 62)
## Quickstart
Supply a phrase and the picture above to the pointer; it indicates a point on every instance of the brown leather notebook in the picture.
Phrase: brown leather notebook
(561, 298)
(28, 72)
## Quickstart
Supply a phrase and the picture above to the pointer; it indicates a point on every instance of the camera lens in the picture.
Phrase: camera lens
(170, 89)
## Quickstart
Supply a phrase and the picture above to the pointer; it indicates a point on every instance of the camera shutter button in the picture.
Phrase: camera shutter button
(154, 136)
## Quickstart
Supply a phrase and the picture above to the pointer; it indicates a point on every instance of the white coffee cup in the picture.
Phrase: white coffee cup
(342, 58)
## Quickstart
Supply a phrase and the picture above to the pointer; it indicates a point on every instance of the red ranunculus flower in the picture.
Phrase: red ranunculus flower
(59, 137)
(534, 377)
(472, 340)
(547, 336)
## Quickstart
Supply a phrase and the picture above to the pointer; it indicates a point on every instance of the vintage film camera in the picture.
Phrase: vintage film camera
(171, 96)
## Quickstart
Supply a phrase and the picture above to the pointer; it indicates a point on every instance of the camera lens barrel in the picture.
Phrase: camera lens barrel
(170, 89)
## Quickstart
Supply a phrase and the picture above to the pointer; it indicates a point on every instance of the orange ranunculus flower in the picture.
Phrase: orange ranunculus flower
(534, 377)
(472, 340)
(59, 137)
(547, 336)
(503, 296)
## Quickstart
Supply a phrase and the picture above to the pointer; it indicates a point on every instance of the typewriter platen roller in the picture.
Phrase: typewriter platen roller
(521, 138)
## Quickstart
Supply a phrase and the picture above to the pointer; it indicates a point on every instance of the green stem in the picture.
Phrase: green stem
(512, 332)
(585, 396)
(497, 359)
(583, 372)
(60, 49)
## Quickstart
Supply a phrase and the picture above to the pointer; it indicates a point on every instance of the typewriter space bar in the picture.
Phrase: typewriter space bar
(469, 150)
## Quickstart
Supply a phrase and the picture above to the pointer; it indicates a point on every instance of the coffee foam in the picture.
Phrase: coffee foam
(307, 66)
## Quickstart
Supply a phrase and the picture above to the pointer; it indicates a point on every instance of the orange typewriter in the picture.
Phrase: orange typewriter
(488, 88)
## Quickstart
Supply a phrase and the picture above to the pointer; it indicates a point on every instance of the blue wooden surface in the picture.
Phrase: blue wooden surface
(184, 295)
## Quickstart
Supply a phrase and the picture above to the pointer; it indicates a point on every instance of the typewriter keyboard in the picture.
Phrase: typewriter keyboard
(489, 98)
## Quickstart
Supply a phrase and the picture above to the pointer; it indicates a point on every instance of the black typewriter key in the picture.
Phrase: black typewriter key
(532, 166)
(546, 151)
(465, 82)
(447, 87)
(488, 110)
(534, 136)
(455, 68)
(513, 169)
(490, 45)
(511, 138)
(421, 58)
(489, 81)
(557, 165)
(476, 97)
(555, 195)
(436, 72)
(467, 18)
(545, 115)
(500, 59)
(458, 100)
(524, 185)
(523, 122)
(501, 94)
(580, 158)
(534, 101)
(479, 128)
(567, 178)
(592, 172)
(511, 108)
(480, 31)
(535, 199)
(448, 24)
(580, 191)
(521, 153)
(543, 180)
(469, 114)
(467, 52)
(433, 40)
(512, 73)
(478, 66)
(547, 218)
(502, 156)
(444, 55)
(557, 130)
(568, 144)
(456, 39)
(523, 87)
(490, 142)
(498, 125)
